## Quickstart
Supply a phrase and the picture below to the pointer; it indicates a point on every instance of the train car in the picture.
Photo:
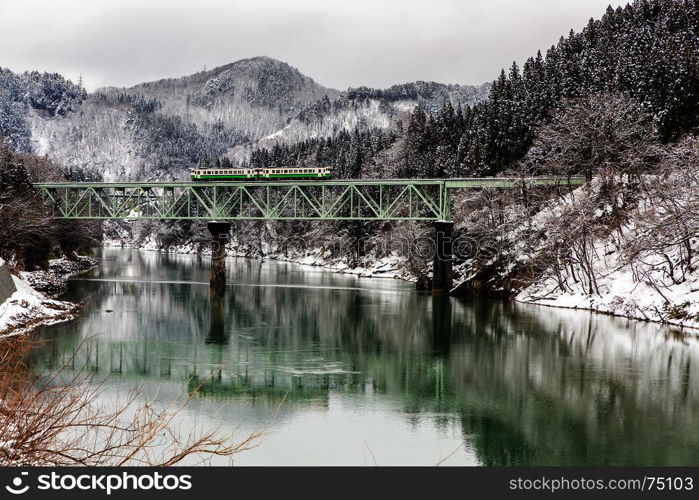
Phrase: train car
(247, 174)
(295, 173)
(223, 174)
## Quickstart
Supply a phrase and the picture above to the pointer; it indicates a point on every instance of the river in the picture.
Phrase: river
(336, 369)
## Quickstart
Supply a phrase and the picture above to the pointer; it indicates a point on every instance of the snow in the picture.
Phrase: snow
(621, 292)
(28, 308)
(621, 295)
(390, 266)
(365, 116)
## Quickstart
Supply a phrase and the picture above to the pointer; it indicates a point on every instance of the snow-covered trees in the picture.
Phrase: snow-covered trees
(27, 232)
(47, 93)
(601, 134)
(14, 130)
(667, 229)
(648, 51)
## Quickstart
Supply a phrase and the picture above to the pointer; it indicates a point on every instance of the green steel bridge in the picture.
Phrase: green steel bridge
(361, 199)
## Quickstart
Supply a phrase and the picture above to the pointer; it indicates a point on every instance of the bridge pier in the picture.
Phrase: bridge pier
(442, 260)
(220, 232)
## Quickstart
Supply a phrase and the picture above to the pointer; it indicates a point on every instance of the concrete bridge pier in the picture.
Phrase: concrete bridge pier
(220, 234)
(442, 260)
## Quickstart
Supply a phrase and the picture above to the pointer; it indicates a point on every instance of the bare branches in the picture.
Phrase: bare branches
(52, 421)
(667, 227)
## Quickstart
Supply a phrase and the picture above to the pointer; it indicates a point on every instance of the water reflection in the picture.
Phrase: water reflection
(217, 323)
(516, 384)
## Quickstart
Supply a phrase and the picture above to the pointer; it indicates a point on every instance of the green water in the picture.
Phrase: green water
(344, 370)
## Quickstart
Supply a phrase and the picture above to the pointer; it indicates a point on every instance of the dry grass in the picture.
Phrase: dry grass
(55, 420)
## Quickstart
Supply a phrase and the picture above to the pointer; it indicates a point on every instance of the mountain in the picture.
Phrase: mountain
(253, 96)
(159, 129)
(365, 109)
(47, 95)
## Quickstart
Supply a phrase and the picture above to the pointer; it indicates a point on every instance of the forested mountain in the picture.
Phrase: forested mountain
(158, 130)
(253, 96)
(648, 51)
(361, 111)
(47, 94)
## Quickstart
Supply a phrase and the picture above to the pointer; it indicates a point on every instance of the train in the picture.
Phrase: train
(251, 174)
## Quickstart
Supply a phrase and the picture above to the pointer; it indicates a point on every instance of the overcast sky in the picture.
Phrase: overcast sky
(337, 43)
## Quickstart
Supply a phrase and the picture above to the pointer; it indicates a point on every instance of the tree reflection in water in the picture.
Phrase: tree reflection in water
(526, 384)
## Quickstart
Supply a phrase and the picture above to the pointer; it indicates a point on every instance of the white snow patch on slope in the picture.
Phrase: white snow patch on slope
(27, 308)
(654, 297)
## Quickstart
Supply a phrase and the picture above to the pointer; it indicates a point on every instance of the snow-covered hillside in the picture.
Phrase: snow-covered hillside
(160, 129)
(621, 245)
(365, 109)
(27, 308)
(646, 270)
(252, 96)
(97, 140)
(365, 115)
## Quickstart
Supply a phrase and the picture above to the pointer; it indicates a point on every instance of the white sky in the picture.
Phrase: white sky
(337, 43)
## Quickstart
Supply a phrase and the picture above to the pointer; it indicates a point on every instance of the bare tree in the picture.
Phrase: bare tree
(607, 136)
(602, 134)
(667, 227)
(55, 420)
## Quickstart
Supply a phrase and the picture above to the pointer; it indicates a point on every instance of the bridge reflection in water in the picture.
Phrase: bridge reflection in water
(526, 385)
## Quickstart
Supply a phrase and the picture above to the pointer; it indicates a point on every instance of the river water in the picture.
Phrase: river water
(336, 369)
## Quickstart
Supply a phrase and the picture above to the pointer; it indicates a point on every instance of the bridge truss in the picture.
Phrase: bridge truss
(410, 199)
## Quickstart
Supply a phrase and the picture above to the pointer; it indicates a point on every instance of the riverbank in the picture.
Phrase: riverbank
(621, 295)
(392, 266)
(34, 302)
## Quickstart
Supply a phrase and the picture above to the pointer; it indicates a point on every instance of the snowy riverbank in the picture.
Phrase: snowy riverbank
(391, 266)
(621, 295)
(34, 302)
(646, 269)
